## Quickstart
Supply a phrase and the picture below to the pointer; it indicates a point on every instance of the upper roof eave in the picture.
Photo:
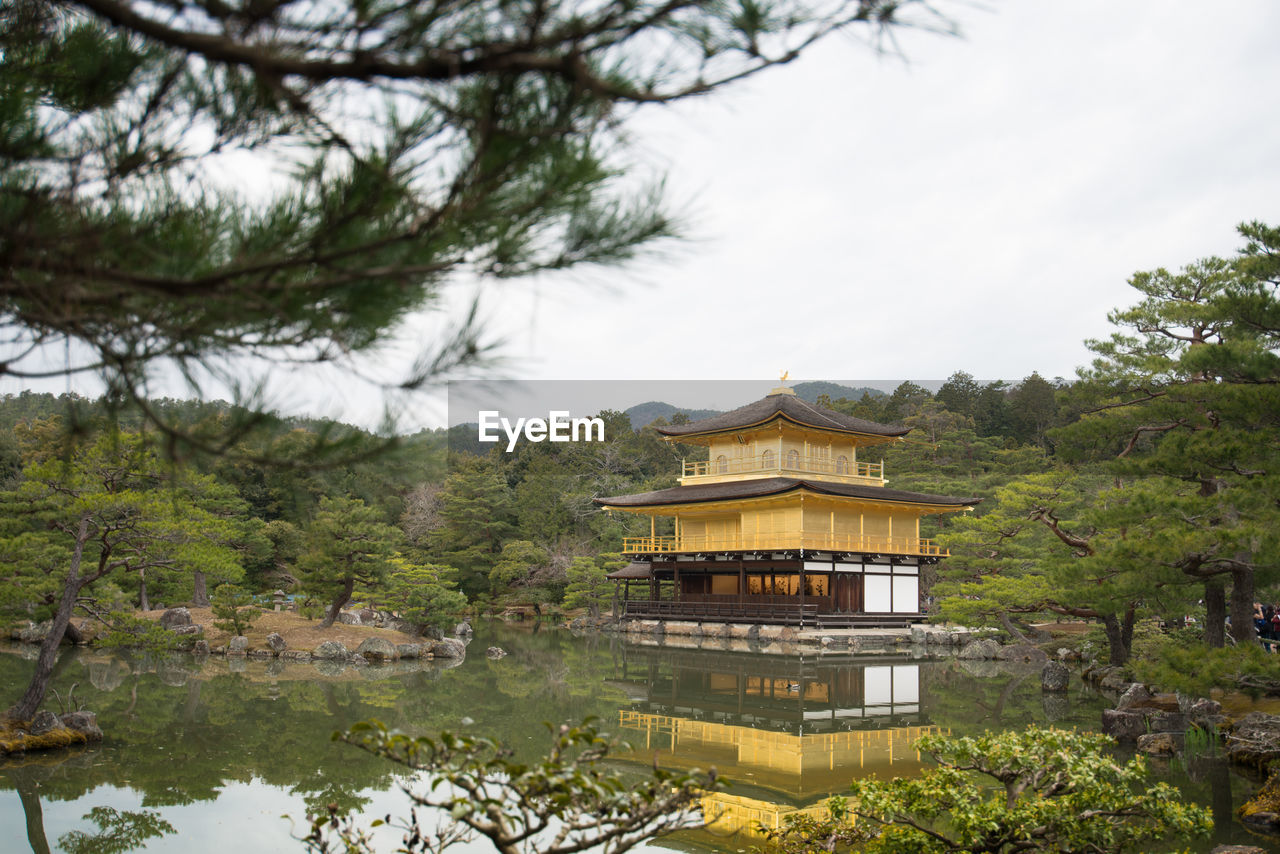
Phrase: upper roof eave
(787, 407)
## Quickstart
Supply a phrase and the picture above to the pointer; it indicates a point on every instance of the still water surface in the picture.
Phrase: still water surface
(234, 754)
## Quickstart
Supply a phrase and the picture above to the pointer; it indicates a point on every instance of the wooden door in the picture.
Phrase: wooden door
(846, 593)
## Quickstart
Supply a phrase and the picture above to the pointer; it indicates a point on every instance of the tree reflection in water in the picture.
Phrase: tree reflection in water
(188, 739)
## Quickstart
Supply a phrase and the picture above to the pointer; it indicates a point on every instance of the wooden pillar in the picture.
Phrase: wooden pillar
(802, 594)
(675, 584)
(742, 580)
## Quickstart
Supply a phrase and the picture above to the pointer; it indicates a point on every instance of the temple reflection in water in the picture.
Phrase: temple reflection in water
(787, 732)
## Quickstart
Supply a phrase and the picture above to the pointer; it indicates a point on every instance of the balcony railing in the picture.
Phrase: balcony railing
(825, 542)
(773, 463)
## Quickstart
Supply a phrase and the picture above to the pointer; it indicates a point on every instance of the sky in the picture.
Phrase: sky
(973, 203)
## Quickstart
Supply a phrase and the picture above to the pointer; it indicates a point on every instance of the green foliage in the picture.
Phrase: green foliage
(1181, 661)
(521, 564)
(422, 594)
(345, 547)
(126, 631)
(570, 800)
(1032, 552)
(1039, 789)
(235, 609)
(588, 587)
(118, 831)
(449, 158)
(312, 609)
(1184, 395)
(477, 507)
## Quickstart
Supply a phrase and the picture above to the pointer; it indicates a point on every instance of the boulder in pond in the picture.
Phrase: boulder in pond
(276, 643)
(1160, 743)
(1123, 725)
(331, 651)
(495, 652)
(1024, 652)
(44, 721)
(1055, 677)
(1136, 696)
(1114, 679)
(409, 650)
(448, 648)
(377, 649)
(1162, 721)
(201, 647)
(85, 723)
(980, 650)
(1255, 741)
(463, 630)
(238, 645)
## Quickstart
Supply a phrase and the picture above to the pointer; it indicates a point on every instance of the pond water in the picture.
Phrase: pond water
(233, 754)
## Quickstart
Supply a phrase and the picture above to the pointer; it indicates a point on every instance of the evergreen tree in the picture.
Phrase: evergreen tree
(991, 416)
(524, 573)
(234, 609)
(960, 394)
(346, 546)
(905, 401)
(422, 594)
(477, 507)
(109, 512)
(1039, 549)
(588, 585)
(1188, 392)
(1033, 410)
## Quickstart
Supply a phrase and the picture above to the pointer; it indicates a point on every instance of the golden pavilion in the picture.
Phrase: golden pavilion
(783, 522)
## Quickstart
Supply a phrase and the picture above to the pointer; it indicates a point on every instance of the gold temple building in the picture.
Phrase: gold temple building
(785, 521)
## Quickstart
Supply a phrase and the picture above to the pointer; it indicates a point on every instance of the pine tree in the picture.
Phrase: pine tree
(1188, 392)
(346, 547)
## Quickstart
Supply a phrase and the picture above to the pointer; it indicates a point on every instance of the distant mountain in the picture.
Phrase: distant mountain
(812, 390)
(644, 414)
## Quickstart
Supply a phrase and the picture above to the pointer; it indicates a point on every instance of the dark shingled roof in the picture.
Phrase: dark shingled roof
(786, 406)
(776, 486)
(633, 570)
